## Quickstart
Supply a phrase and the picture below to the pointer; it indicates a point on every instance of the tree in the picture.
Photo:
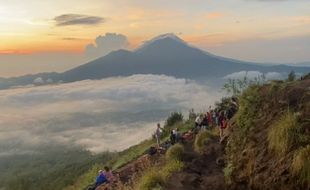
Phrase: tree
(174, 118)
(291, 76)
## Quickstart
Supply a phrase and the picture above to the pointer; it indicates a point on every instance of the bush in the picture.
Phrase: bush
(248, 109)
(291, 76)
(171, 167)
(301, 165)
(175, 152)
(284, 133)
(152, 179)
(201, 139)
(174, 118)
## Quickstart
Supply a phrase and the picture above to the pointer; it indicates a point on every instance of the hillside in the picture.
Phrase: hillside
(163, 55)
(266, 146)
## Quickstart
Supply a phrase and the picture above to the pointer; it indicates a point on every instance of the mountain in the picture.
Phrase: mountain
(166, 54)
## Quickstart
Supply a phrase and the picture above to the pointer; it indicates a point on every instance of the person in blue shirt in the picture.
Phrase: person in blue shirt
(100, 179)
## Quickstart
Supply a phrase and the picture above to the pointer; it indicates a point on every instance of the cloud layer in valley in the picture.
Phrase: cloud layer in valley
(252, 75)
(98, 115)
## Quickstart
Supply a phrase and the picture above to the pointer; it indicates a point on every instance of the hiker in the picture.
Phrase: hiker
(192, 114)
(158, 132)
(217, 118)
(223, 124)
(209, 117)
(172, 137)
(108, 174)
(205, 122)
(152, 151)
(198, 121)
(100, 179)
(177, 135)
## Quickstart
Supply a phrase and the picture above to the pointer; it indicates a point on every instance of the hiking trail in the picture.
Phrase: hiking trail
(202, 171)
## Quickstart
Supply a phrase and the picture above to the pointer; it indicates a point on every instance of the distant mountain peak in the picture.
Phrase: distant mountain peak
(162, 37)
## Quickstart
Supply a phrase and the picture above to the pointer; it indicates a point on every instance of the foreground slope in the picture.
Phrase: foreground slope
(269, 146)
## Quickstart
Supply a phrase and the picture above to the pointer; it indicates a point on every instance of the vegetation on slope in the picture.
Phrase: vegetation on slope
(152, 179)
(273, 120)
(175, 120)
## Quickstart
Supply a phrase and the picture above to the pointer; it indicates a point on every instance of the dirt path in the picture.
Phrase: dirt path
(202, 171)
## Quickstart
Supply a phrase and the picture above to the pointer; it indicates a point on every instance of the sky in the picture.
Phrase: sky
(43, 36)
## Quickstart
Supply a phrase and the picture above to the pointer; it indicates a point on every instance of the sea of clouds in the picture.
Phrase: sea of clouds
(108, 114)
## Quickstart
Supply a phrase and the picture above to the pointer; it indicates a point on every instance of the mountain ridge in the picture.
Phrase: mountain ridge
(165, 54)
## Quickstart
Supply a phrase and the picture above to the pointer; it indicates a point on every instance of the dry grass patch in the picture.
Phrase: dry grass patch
(284, 133)
(201, 139)
(301, 165)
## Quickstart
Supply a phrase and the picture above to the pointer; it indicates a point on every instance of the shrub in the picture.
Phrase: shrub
(284, 133)
(201, 139)
(301, 165)
(291, 76)
(171, 167)
(175, 152)
(174, 118)
(152, 179)
(248, 109)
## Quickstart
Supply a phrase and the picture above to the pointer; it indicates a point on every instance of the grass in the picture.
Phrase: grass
(175, 152)
(201, 139)
(118, 161)
(153, 179)
(301, 165)
(228, 170)
(284, 133)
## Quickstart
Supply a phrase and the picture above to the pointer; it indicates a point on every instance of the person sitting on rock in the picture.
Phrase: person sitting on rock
(108, 174)
(100, 179)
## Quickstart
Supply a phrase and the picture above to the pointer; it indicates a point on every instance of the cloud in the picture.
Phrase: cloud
(105, 44)
(251, 75)
(112, 113)
(77, 19)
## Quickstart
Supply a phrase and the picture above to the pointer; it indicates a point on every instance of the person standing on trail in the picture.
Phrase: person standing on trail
(172, 137)
(205, 122)
(209, 118)
(158, 132)
(223, 124)
(198, 121)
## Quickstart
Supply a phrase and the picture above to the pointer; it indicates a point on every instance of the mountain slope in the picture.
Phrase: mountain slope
(170, 56)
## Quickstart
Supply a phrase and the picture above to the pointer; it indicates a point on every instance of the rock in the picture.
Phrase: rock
(220, 161)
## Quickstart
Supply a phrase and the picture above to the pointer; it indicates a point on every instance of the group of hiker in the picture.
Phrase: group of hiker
(212, 118)
(104, 177)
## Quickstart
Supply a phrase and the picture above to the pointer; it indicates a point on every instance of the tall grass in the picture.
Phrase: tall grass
(201, 139)
(284, 133)
(175, 152)
(156, 178)
(301, 165)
